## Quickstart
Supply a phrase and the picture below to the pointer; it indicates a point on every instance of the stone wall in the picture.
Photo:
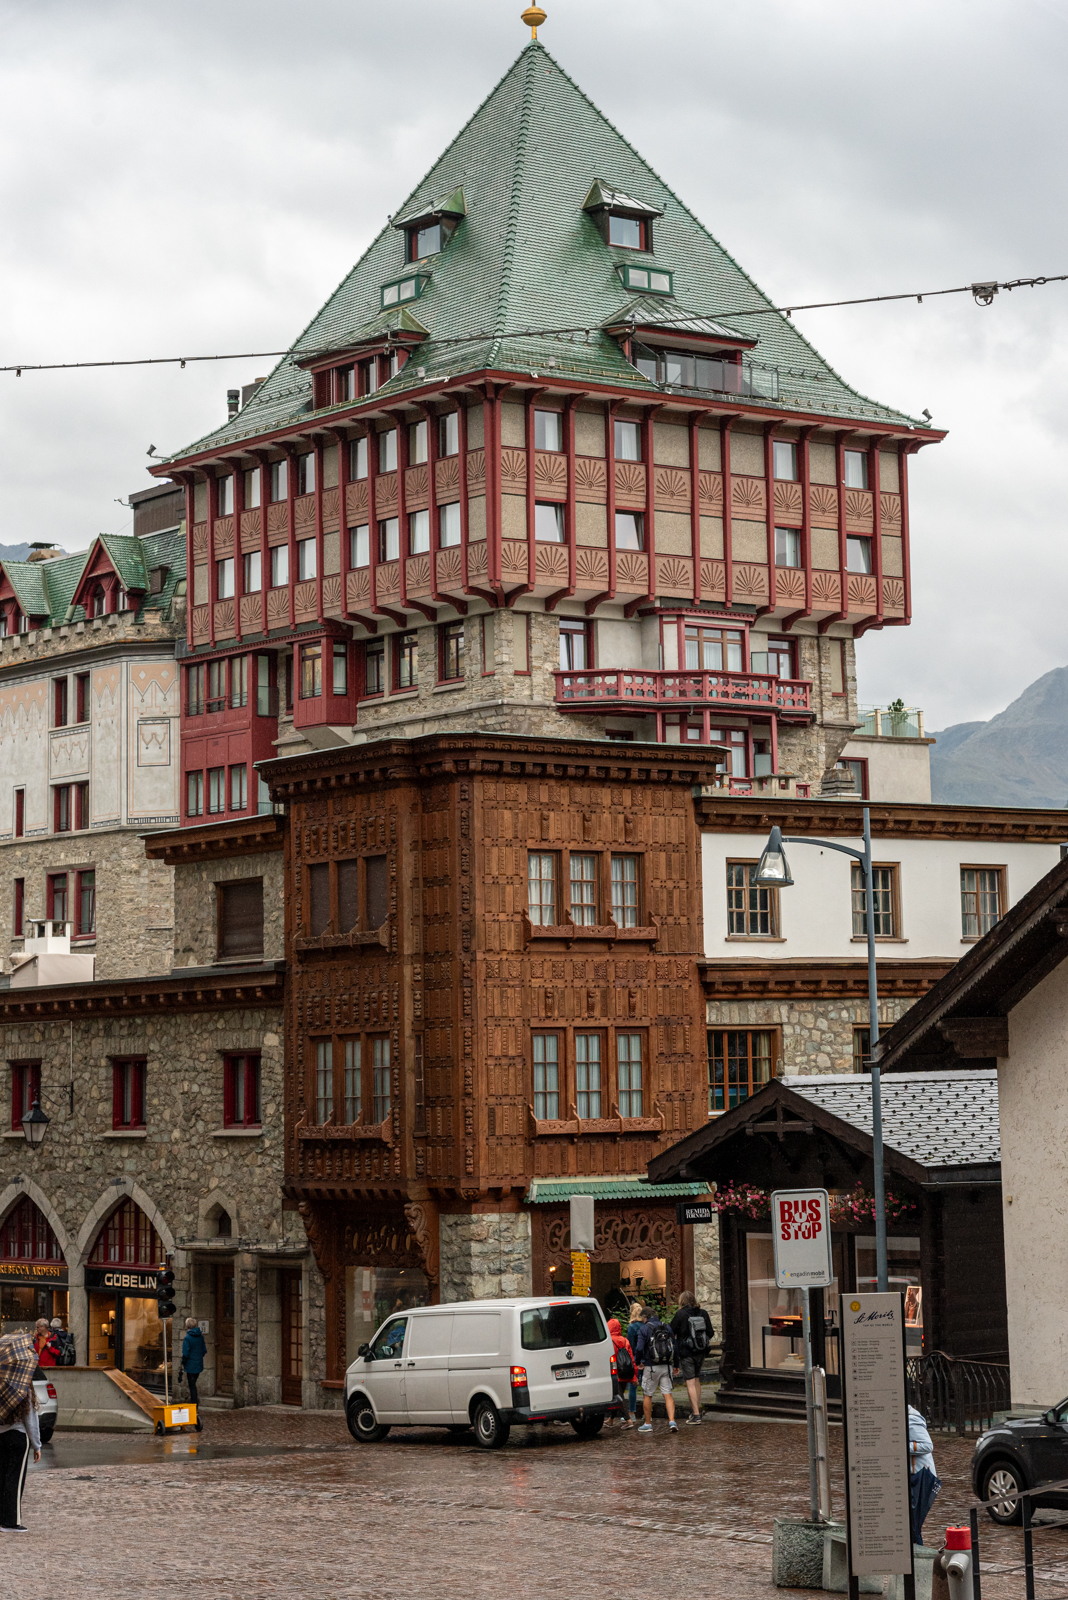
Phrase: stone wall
(195, 928)
(485, 1256)
(817, 1035)
(706, 1281)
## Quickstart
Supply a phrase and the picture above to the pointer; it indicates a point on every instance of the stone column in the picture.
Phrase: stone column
(485, 1255)
(246, 1317)
(78, 1313)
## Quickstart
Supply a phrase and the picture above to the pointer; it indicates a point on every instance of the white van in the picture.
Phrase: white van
(485, 1364)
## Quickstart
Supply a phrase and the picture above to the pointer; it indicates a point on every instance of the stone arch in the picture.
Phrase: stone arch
(116, 1192)
(26, 1187)
(208, 1214)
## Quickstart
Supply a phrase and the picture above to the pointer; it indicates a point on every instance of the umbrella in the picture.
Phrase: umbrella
(18, 1363)
(923, 1492)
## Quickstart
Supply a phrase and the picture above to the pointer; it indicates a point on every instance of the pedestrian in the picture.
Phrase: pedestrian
(921, 1445)
(656, 1351)
(924, 1483)
(637, 1318)
(625, 1367)
(194, 1349)
(692, 1329)
(20, 1431)
(66, 1354)
(45, 1343)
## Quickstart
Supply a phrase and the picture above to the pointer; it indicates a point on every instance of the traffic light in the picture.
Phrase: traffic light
(165, 1294)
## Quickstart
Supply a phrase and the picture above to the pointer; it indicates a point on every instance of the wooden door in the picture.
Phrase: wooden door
(224, 1329)
(292, 1336)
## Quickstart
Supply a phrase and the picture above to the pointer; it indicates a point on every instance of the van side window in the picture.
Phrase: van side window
(388, 1344)
(552, 1327)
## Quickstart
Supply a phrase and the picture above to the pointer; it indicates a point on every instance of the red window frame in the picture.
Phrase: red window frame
(127, 1239)
(81, 807)
(81, 696)
(858, 766)
(373, 649)
(128, 1075)
(25, 1089)
(447, 633)
(55, 879)
(62, 809)
(25, 1234)
(19, 908)
(241, 1091)
(20, 813)
(60, 702)
(83, 926)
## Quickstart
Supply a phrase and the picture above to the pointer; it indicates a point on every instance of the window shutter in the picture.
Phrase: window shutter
(241, 918)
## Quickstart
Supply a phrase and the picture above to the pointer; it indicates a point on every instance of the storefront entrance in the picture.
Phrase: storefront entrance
(33, 1273)
(292, 1287)
(124, 1327)
(224, 1328)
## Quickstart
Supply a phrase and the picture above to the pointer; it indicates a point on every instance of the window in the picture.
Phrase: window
(404, 289)
(85, 904)
(224, 496)
(377, 891)
(576, 642)
(216, 685)
(252, 577)
(714, 649)
(196, 686)
(449, 434)
(358, 458)
(216, 791)
(884, 900)
(59, 702)
(25, 1234)
(239, 681)
(241, 1091)
(856, 469)
(780, 655)
(784, 460)
(127, 1238)
(306, 564)
(630, 530)
(318, 898)
(541, 888)
(425, 241)
(752, 912)
(406, 660)
(980, 900)
(387, 450)
(374, 667)
(548, 430)
(252, 489)
(344, 384)
(81, 806)
(629, 1065)
(224, 578)
(646, 278)
(311, 671)
(194, 794)
(859, 771)
(306, 474)
(629, 233)
(380, 1079)
(98, 604)
(449, 525)
(548, 523)
(240, 917)
(417, 443)
(389, 539)
(238, 788)
(451, 635)
(628, 441)
(20, 813)
(324, 1081)
(861, 1049)
(264, 688)
(418, 533)
(128, 1094)
(18, 910)
(367, 373)
(547, 1077)
(353, 1083)
(81, 696)
(25, 1089)
(487, 629)
(360, 546)
(858, 553)
(341, 667)
(739, 1063)
(279, 481)
(588, 1075)
(625, 891)
(279, 566)
(787, 547)
(62, 808)
(583, 879)
(348, 895)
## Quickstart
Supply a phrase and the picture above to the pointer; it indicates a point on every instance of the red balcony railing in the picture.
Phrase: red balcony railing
(657, 691)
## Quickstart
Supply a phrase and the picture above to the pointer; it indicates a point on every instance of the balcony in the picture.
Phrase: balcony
(647, 692)
(895, 721)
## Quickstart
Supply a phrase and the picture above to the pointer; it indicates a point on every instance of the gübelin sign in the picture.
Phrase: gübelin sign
(801, 1236)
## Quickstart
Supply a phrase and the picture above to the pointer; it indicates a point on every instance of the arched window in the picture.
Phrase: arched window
(26, 1236)
(127, 1239)
(99, 601)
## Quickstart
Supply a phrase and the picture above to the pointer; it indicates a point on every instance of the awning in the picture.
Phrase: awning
(637, 1189)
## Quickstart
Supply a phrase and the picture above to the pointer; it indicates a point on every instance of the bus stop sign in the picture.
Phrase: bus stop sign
(801, 1234)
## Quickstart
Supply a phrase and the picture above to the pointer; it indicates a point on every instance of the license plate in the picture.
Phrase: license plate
(569, 1372)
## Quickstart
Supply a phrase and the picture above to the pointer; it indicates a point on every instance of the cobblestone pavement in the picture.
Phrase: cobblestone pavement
(428, 1516)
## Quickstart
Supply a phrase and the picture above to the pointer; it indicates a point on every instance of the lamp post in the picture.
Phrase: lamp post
(773, 872)
(34, 1124)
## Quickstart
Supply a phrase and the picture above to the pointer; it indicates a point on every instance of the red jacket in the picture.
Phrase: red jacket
(47, 1347)
(619, 1339)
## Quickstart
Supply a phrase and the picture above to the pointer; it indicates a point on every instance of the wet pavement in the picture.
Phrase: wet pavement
(270, 1502)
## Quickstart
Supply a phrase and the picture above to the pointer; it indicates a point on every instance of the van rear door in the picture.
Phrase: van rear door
(567, 1352)
(426, 1367)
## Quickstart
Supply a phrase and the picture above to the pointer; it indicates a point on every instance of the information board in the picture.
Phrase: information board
(875, 1418)
(801, 1233)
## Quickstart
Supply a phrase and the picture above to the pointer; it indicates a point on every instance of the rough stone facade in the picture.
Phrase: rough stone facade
(195, 928)
(816, 1036)
(485, 1255)
(706, 1279)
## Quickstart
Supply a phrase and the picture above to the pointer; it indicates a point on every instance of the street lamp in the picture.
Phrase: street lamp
(773, 872)
(34, 1124)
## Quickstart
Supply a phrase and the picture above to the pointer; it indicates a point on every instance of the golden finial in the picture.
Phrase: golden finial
(533, 16)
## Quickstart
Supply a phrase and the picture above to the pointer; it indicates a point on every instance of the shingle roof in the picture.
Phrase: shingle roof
(938, 1119)
(46, 588)
(555, 1191)
(527, 277)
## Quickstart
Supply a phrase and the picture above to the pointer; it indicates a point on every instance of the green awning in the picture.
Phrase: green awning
(558, 1191)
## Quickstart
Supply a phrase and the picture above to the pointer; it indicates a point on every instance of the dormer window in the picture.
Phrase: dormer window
(429, 241)
(723, 373)
(429, 227)
(625, 223)
(411, 287)
(344, 384)
(629, 233)
(646, 280)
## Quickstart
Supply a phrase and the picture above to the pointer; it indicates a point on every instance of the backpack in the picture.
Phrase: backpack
(659, 1346)
(624, 1365)
(697, 1340)
(65, 1354)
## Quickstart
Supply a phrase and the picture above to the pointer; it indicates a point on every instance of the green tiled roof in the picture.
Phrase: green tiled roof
(526, 280)
(651, 311)
(47, 588)
(603, 197)
(555, 1191)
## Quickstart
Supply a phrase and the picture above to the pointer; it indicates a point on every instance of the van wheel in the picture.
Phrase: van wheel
(588, 1427)
(362, 1424)
(490, 1432)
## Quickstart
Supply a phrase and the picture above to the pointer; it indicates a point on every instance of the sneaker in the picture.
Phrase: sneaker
(674, 1427)
(646, 1427)
(19, 1528)
(695, 1417)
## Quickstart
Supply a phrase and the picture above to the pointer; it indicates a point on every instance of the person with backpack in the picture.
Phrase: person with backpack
(67, 1355)
(656, 1352)
(625, 1368)
(637, 1318)
(692, 1328)
(45, 1343)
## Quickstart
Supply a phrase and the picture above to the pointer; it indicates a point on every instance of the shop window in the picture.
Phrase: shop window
(858, 554)
(629, 1070)
(752, 911)
(241, 1091)
(306, 562)
(380, 1079)
(542, 868)
(546, 1052)
(311, 671)
(787, 547)
(25, 1234)
(418, 533)
(576, 645)
(784, 460)
(25, 1089)
(885, 901)
(582, 876)
(127, 1239)
(406, 661)
(625, 891)
(360, 546)
(628, 441)
(548, 430)
(374, 667)
(855, 469)
(548, 522)
(451, 644)
(194, 794)
(630, 530)
(128, 1079)
(59, 702)
(903, 1277)
(450, 525)
(239, 918)
(739, 1063)
(981, 899)
(861, 1049)
(449, 434)
(279, 566)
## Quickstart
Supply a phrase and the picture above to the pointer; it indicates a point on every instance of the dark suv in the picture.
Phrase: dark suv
(1020, 1455)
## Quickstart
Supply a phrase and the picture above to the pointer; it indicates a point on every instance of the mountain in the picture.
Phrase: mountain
(1018, 758)
(14, 552)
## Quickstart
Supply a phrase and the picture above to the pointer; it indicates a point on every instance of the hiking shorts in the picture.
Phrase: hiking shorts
(654, 1378)
(690, 1366)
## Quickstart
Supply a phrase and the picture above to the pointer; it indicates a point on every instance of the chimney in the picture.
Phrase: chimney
(233, 403)
(837, 783)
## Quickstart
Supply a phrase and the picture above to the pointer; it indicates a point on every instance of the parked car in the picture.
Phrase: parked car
(486, 1365)
(1021, 1454)
(47, 1403)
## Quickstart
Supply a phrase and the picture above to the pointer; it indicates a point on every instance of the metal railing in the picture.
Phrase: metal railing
(759, 690)
(891, 722)
(956, 1394)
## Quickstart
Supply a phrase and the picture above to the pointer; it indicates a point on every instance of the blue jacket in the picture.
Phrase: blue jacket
(633, 1330)
(194, 1350)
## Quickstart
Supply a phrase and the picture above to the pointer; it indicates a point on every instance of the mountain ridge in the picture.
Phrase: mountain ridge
(1018, 758)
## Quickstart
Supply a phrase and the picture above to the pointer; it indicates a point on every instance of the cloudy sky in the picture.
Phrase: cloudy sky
(197, 177)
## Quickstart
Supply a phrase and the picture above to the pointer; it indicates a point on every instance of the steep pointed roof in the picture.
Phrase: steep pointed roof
(526, 280)
(48, 589)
